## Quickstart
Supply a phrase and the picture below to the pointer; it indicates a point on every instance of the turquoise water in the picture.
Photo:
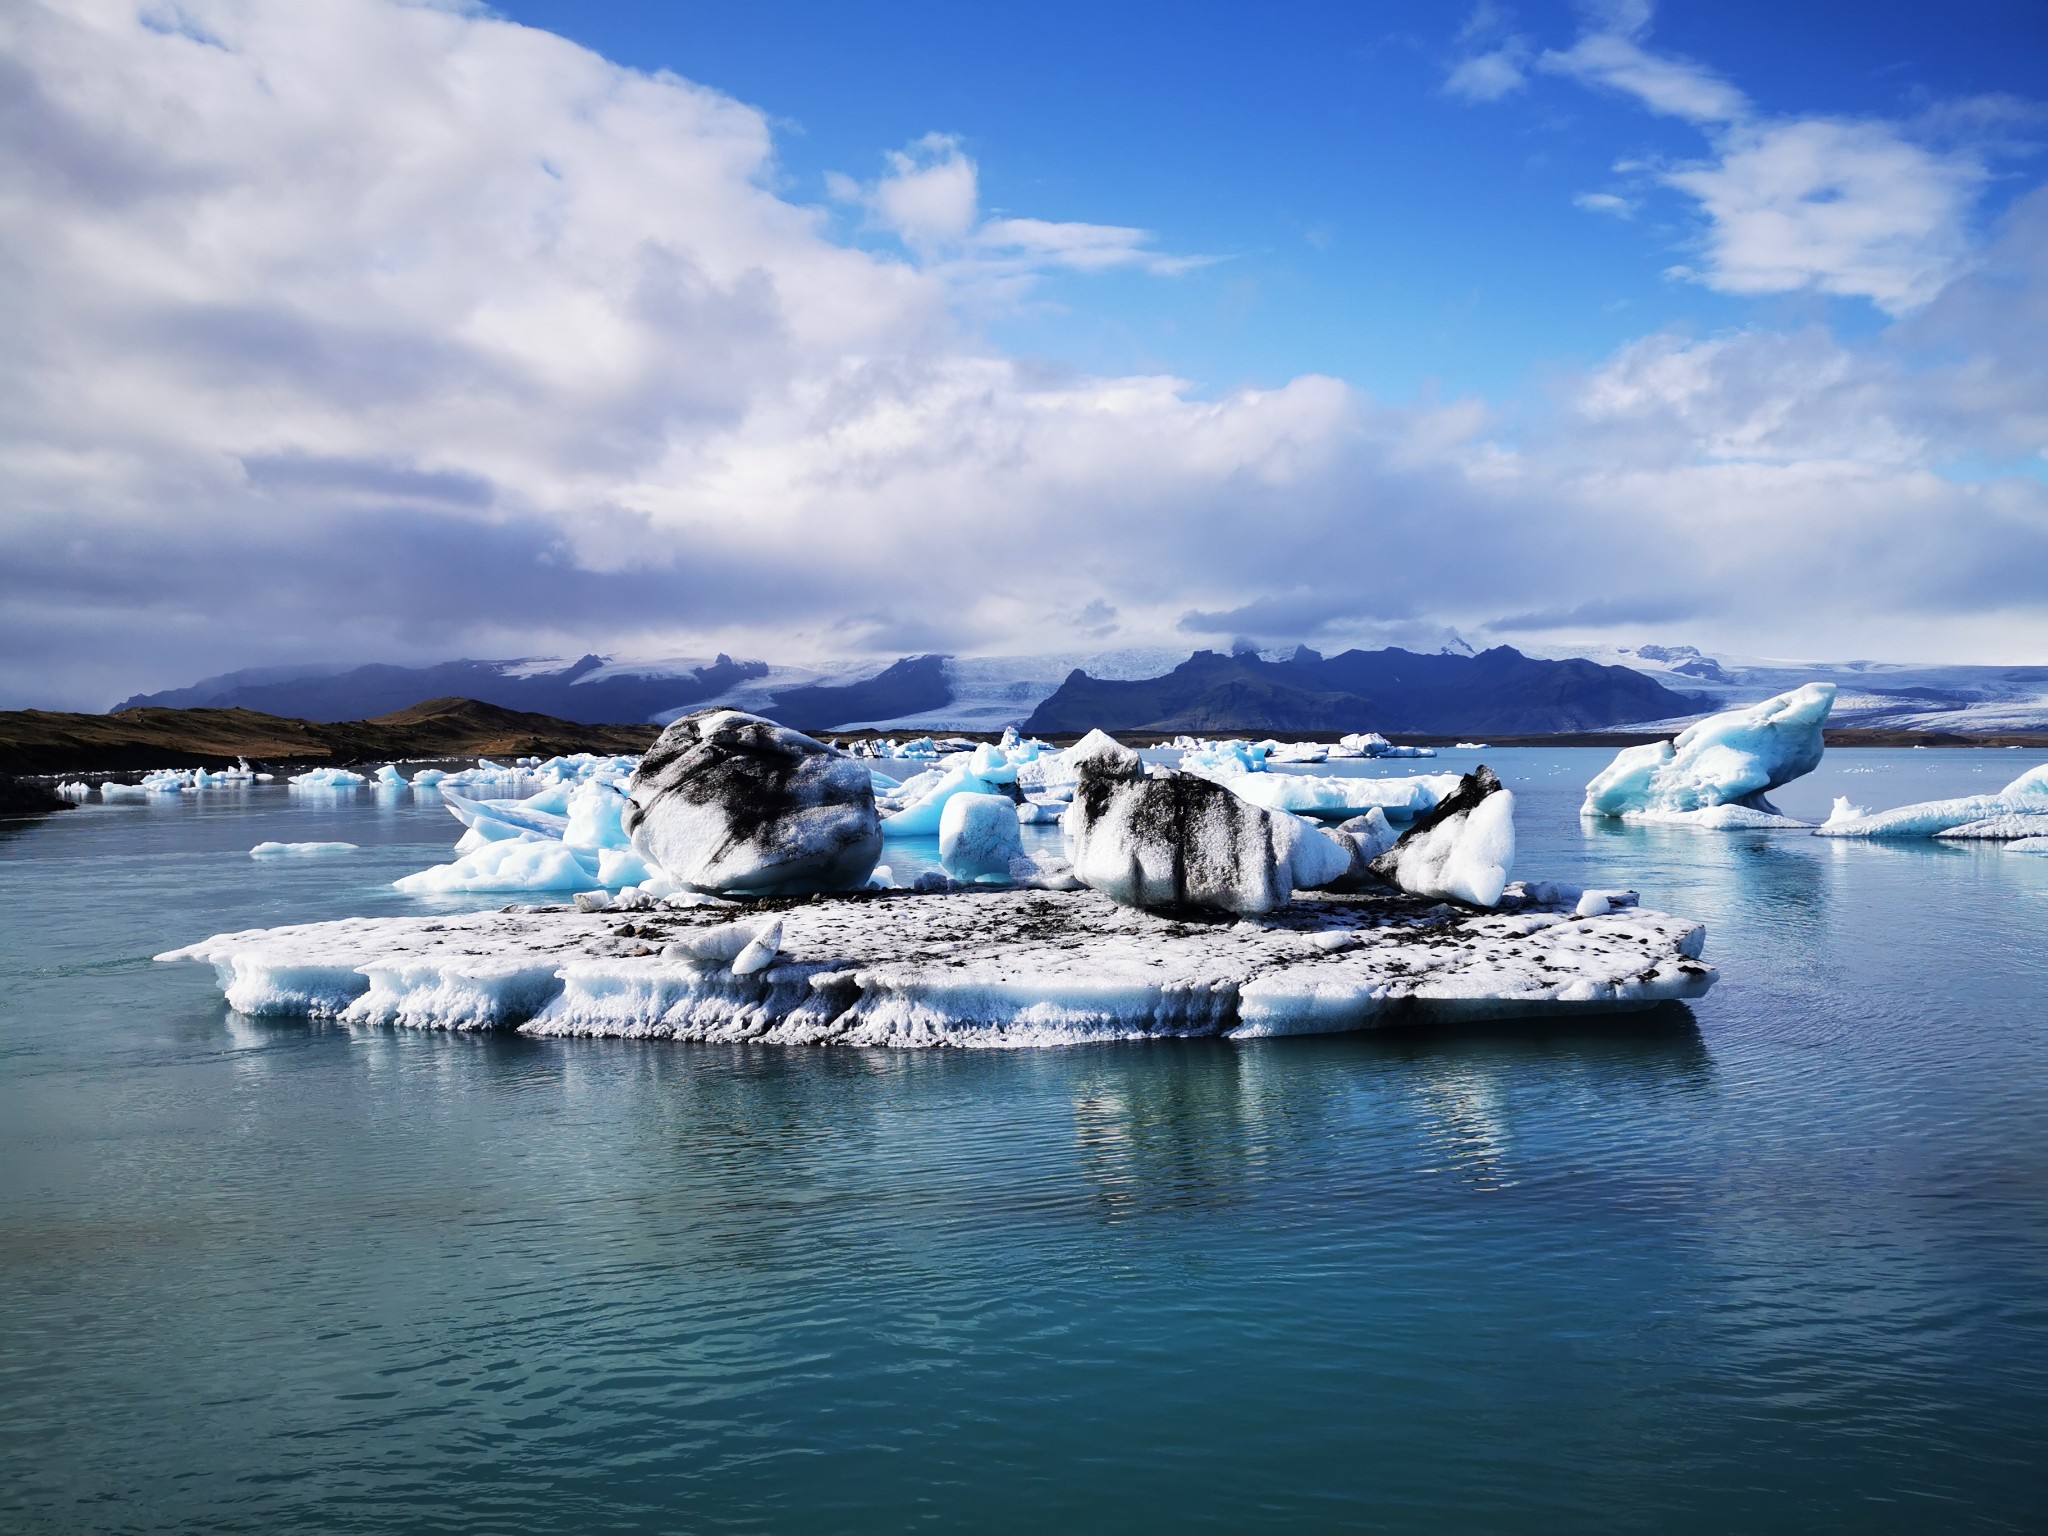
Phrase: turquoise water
(1776, 1263)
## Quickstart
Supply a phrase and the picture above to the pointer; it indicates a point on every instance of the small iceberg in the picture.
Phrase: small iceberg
(299, 850)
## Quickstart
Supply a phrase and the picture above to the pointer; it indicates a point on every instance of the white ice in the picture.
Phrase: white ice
(1337, 798)
(1465, 856)
(1726, 759)
(976, 967)
(978, 837)
(298, 850)
(524, 864)
(1181, 840)
(2026, 795)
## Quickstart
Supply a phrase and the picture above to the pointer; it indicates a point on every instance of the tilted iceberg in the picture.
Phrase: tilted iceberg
(1726, 760)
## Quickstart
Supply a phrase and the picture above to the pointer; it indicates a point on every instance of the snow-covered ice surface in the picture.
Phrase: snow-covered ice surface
(1729, 759)
(975, 967)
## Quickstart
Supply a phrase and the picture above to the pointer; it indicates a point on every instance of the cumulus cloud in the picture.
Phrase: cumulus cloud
(348, 330)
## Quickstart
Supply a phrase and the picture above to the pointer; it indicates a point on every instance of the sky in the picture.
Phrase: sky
(346, 330)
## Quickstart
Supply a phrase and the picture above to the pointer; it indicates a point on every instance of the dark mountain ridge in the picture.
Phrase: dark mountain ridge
(1499, 691)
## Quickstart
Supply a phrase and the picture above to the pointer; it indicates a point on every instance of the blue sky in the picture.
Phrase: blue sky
(1369, 222)
(350, 330)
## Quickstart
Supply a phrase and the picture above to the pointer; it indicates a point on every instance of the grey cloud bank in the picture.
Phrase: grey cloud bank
(351, 330)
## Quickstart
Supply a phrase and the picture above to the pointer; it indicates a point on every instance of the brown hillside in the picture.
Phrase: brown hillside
(45, 741)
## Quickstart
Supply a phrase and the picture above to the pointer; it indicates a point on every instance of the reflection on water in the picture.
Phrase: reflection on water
(1773, 1261)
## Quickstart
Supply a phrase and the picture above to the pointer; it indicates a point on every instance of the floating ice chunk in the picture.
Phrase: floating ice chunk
(978, 837)
(1926, 819)
(428, 778)
(75, 791)
(729, 802)
(389, 777)
(1726, 759)
(1463, 849)
(2028, 845)
(113, 791)
(1307, 795)
(974, 967)
(1181, 840)
(521, 865)
(920, 817)
(1843, 810)
(299, 850)
(505, 813)
(326, 778)
(1037, 812)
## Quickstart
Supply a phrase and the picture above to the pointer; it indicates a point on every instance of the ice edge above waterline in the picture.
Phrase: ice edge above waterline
(995, 967)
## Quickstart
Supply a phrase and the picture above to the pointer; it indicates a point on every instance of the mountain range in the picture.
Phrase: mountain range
(1498, 692)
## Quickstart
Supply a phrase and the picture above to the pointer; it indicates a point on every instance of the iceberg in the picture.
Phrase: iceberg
(1462, 850)
(731, 803)
(976, 967)
(326, 778)
(1338, 798)
(1181, 840)
(299, 850)
(1730, 759)
(926, 806)
(978, 838)
(523, 864)
(2025, 796)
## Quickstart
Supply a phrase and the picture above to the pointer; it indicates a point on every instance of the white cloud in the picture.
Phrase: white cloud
(1605, 202)
(930, 200)
(1852, 208)
(340, 329)
(1492, 60)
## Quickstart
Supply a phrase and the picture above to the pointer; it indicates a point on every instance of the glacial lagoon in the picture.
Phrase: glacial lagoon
(1776, 1261)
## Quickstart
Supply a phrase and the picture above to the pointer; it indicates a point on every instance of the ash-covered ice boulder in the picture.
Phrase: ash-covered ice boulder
(1462, 850)
(978, 837)
(1179, 840)
(1727, 759)
(731, 803)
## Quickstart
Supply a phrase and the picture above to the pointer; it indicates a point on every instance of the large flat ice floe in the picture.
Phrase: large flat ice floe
(979, 967)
